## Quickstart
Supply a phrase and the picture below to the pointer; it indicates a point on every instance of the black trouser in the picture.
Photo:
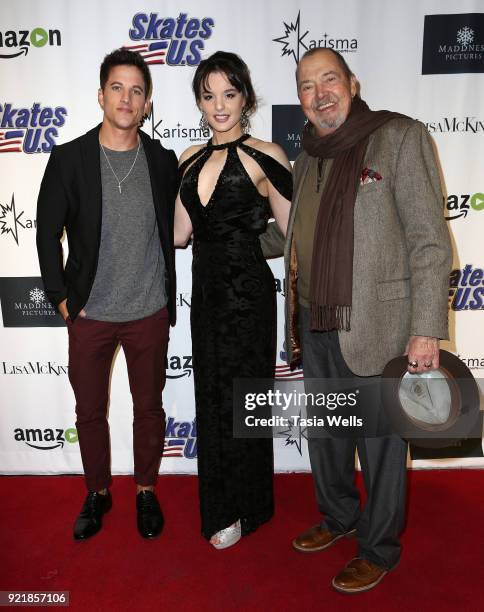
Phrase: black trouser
(382, 459)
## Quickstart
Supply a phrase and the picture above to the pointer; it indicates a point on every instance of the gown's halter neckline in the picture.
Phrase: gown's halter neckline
(226, 145)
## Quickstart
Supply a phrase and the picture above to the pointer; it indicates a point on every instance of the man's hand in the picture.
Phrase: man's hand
(65, 314)
(63, 309)
(422, 353)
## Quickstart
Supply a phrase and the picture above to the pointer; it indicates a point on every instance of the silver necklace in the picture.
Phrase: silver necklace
(129, 171)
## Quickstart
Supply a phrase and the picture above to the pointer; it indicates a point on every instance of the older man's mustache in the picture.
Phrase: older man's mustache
(324, 102)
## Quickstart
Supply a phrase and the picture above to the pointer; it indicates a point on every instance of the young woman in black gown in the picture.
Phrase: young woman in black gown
(230, 187)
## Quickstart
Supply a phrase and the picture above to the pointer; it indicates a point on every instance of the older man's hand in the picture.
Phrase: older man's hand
(422, 354)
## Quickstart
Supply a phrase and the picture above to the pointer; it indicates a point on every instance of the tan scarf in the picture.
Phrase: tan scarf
(330, 289)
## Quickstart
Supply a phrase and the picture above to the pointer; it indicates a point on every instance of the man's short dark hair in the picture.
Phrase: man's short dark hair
(341, 60)
(125, 57)
(236, 71)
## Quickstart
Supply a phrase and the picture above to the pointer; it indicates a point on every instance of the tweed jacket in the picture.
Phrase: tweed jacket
(402, 254)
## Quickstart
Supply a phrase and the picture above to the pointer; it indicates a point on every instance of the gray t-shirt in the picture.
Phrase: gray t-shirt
(130, 277)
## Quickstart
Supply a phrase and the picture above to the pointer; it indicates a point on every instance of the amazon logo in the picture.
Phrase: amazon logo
(46, 439)
(15, 43)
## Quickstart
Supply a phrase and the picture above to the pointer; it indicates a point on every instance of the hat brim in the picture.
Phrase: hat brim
(464, 404)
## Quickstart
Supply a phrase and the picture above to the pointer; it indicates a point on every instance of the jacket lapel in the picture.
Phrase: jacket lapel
(293, 346)
(92, 172)
(158, 179)
(298, 184)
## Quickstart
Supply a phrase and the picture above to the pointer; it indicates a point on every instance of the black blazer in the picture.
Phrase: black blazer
(71, 197)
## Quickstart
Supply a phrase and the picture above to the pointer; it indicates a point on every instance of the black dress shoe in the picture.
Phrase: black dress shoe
(150, 517)
(90, 520)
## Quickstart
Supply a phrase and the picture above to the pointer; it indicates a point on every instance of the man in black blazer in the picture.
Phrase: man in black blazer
(113, 191)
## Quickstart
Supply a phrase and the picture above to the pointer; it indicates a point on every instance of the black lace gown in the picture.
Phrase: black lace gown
(233, 332)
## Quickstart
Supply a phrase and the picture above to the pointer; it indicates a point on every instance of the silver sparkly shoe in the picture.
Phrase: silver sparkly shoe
(227, 537)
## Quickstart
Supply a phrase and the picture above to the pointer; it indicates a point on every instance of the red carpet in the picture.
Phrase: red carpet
(441, 566)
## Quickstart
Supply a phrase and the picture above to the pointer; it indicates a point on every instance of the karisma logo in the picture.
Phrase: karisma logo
(14, 43)
(294, 42)
(176, 41)
(174, 131)
(11, 220)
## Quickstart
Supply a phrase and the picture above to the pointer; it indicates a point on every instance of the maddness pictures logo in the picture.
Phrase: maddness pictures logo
(24, 303)
(453, 43)
(296, 40)
(288, 122)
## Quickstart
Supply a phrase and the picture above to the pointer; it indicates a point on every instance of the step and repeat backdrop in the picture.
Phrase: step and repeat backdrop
(424, 59)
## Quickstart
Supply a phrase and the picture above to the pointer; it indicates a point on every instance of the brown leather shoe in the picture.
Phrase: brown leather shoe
(358, 576)
(317, 538)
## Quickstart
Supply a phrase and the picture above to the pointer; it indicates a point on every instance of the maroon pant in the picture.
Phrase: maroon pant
(92, 345)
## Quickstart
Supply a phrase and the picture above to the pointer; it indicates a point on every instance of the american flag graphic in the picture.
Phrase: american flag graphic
(152, 53)
(174, 447)
(284, 372)
(11, 141)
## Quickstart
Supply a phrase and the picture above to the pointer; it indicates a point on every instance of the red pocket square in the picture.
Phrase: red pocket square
(369, 176)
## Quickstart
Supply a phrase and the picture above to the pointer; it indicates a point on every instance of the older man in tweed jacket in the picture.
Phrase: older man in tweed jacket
(367, 258)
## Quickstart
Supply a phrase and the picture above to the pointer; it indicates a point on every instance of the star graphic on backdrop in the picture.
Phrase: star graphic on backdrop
(294, 435)
(292, 41)
(9, 219)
